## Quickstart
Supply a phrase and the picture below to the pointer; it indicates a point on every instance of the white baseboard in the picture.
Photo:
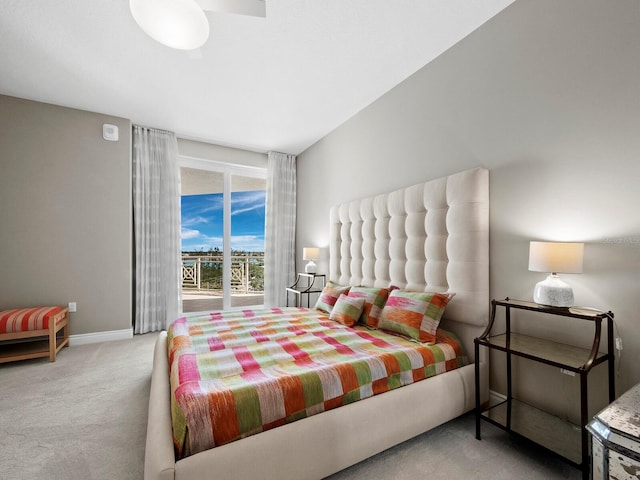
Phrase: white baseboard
(97, 337)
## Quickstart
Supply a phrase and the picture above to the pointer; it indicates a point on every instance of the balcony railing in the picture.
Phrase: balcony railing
(204, 273)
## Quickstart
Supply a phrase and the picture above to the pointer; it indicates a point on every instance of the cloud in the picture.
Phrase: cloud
(257, 196)
(248, 209)
(188, 221)
(198, 207)
(248, 243)
(247, 201)
(188, 234)
(201, 242)
(214, 203)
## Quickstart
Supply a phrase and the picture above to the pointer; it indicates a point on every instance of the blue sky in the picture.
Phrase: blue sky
(202, 221)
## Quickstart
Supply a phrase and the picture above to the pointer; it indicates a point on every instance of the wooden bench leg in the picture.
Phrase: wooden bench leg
(52, 340)
(59, 324)
(64, 326)
(65, 336)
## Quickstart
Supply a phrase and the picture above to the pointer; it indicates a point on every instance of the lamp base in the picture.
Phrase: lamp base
(310, 267)
(553, 292)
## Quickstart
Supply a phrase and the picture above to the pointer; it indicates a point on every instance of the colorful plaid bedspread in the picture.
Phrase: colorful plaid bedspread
(237, 373)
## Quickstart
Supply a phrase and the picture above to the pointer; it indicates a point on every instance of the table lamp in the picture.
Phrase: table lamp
(311, 254)
(554, 258)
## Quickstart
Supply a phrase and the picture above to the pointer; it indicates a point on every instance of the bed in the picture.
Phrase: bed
(428, 237)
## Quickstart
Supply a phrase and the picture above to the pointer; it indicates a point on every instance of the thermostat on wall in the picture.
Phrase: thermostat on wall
(110, 132)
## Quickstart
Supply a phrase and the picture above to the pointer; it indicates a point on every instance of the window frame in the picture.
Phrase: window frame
(228, 170)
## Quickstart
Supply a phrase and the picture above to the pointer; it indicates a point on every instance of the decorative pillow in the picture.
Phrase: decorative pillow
(329, 296)
(374, 300)
(347, 310)
(415, 315)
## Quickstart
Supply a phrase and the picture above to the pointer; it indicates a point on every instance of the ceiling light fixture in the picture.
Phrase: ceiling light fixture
(252, 8)
(179, 24)
(182, 24)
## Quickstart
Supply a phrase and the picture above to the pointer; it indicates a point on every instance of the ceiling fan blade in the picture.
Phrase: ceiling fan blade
(254, 8)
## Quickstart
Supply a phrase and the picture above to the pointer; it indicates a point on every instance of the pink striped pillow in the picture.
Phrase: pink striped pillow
(329, 296)
(374, 300)
(415, 315)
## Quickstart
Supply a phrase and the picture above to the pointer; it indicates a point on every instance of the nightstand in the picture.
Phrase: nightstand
(305, 284)
(514, 415)
(615, 439)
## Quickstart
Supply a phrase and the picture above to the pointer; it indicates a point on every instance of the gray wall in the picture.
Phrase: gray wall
(65, 215)
(547, 96)
(66, 210)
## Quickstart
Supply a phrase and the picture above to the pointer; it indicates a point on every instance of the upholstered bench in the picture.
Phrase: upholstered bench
(33, 323)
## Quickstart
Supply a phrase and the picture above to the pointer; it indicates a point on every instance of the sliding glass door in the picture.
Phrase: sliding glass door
(223, 213)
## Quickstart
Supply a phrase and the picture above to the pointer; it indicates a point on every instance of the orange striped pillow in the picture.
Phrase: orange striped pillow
(347, 310)
(374, 299)
(415, 315)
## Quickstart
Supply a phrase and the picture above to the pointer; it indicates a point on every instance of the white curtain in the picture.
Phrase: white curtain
(156, 216)
(280, 227)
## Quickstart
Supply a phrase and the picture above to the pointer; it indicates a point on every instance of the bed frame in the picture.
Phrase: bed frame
(430, 237)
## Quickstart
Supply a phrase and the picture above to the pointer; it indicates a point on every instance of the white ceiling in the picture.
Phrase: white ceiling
(275, 83)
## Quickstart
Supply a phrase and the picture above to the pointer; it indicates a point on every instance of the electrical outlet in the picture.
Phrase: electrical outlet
(72, 307)
(568, 372)
(618, 343)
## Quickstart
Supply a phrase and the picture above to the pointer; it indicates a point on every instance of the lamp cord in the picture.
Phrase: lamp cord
(617, 343)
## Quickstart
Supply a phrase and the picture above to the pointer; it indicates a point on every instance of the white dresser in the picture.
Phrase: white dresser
(615, 439)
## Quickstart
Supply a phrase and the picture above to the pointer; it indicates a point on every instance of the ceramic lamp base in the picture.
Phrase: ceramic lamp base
(553, 292)
(310, 267)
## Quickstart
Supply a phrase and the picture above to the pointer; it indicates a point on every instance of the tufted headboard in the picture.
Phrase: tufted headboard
(433, 236)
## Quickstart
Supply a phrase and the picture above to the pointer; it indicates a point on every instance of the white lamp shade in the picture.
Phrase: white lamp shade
(179, 24)
(310, 253)
(556, 257)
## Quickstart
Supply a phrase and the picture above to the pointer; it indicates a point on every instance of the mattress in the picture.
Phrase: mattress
(238, 373)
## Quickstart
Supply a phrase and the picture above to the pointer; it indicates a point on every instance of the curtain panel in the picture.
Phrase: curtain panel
(280, 228)
(156, 216)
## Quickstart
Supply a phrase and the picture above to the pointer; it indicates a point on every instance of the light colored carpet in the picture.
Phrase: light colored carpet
(451, 452)
(82, 417)
(85, 417)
